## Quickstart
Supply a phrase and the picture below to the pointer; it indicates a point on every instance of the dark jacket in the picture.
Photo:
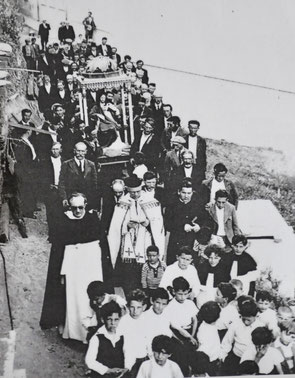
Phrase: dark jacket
(72, 180)
(151, 149)
(201, 152)
(229, 187)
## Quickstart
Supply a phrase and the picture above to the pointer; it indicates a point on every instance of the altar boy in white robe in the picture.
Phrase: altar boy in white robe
(139, 222)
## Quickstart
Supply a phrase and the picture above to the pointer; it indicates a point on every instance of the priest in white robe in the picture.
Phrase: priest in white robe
(82, 263)
(137, 223)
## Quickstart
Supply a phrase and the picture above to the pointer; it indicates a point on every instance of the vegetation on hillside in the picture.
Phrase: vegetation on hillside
(257, 173)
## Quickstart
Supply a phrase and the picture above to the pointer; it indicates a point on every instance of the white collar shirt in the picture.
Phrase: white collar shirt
(56, 162)
(220, 220)
(144, 138)
(80, 163)
(215, 187)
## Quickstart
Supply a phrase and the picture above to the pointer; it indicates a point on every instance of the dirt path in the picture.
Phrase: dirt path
(41, 353)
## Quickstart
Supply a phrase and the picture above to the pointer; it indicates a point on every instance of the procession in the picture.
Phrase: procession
(151, 266)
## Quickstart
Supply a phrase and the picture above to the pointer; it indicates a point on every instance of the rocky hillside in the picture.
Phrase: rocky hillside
(257, 173)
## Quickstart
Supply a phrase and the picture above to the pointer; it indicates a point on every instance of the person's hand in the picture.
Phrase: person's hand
(65, 203)
(208, 205)
(193, 341)
(53, 186)
(196, 227)
(116, 371)
(145, 223)
(62, 280)
(131, 224)
(187, 228)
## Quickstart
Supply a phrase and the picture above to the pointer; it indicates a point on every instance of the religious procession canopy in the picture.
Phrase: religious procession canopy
(104, 80)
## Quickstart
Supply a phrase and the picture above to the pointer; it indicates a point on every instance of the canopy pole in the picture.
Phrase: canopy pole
(124, 115)
(81, 106)
(130, 116)
(85, 106)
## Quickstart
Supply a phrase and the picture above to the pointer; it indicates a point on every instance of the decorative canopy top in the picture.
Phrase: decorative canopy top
(108, 80)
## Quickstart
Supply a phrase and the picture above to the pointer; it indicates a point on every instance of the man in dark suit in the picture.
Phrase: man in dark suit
(158, 113)
(46, 93)
(50, 172)
(109, 200)
(45, 64)
(172, 159)
(148, 143)
(60, 32)
(197, 145)
(44, 33)
(67, 31)
(29, 54)
(139, 67)
(26, 171)
(104, 49)
(61, 95)
(79, 175)
(116, 56)
(219, 181)
(187, 170)
(44, 142)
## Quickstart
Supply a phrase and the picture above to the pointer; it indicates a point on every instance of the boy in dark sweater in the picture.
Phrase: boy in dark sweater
(105, 356)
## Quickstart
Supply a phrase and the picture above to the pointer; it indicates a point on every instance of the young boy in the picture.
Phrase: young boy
(98, 297)
(182, 313)
(160, 366)
(267, 315)
(238, 285)
(284, 315)
(241, 265)
(182, 268)
(152, 270)
(133, 329)
(226, 298)
(238, 337)
(285, 343)
(268, 358)
(207, 335)
(105, 352)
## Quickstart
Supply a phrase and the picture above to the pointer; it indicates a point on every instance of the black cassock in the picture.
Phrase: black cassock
(70, 231)
(177, 215)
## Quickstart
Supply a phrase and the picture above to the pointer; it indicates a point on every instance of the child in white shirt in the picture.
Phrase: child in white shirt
(182, 313)
(159, 366)
(267, 315)
(182, 268)
(226, 298)
(285, 344)
(207, 335)
(238, 337)
(132, 327)
(98, 297)
(268, 358)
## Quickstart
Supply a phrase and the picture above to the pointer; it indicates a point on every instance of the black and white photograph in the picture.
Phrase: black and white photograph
(147, 188)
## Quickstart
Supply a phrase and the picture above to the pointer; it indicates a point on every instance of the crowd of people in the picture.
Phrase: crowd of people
(163, 230)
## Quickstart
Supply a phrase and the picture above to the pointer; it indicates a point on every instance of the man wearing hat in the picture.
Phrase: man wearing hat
(139, 222)
(172, 158)
(89, 26)
(174, 129)
(104, 49)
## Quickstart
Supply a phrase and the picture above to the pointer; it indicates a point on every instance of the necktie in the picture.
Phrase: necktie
(80, 167)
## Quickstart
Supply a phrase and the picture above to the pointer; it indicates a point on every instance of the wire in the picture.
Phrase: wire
(6, 289)
(222, 79)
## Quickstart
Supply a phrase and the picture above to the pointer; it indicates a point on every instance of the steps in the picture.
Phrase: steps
(7, 350)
